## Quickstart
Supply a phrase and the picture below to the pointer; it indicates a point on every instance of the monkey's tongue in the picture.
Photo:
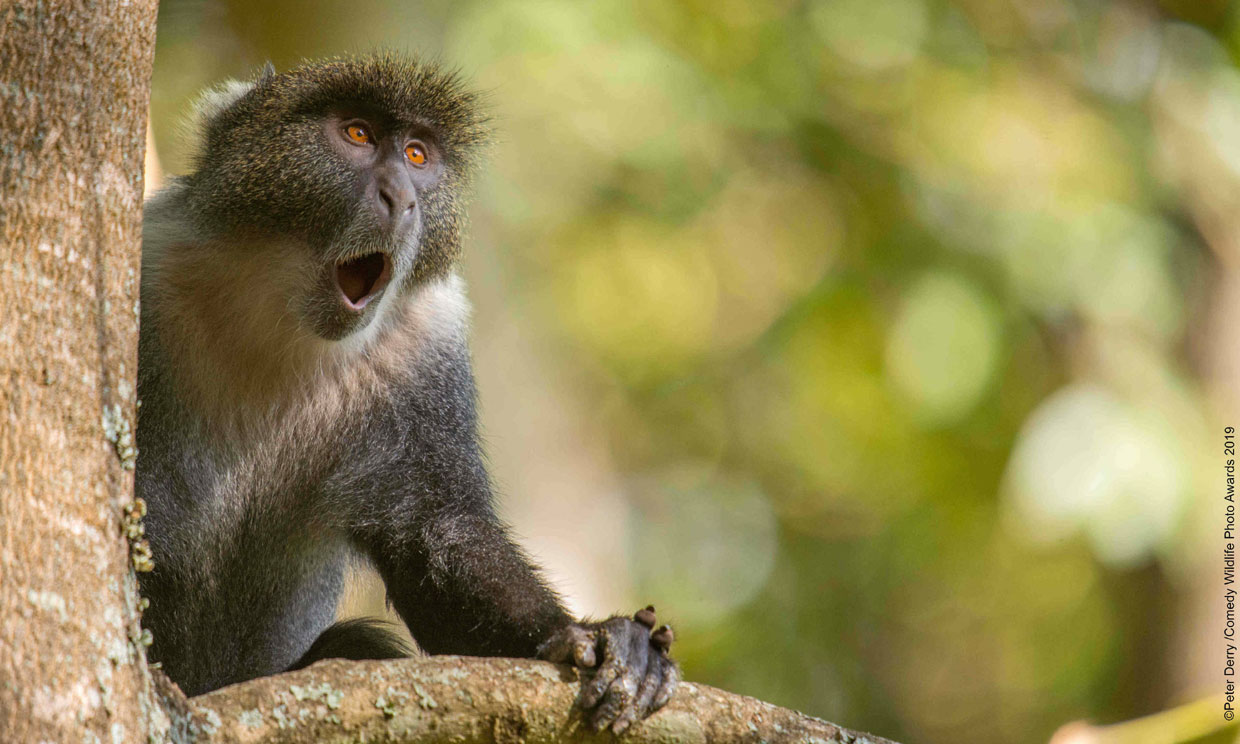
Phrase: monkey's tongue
(360, 279)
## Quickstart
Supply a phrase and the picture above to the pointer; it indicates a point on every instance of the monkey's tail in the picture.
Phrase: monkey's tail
(358, 639)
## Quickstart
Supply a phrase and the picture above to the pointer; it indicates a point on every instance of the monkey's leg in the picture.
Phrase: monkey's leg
(358, 639)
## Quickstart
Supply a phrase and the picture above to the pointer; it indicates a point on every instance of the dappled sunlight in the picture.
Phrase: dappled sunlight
(884, 346)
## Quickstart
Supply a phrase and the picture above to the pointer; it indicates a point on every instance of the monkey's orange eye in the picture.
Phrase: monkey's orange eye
(416, 153)
(358, 134)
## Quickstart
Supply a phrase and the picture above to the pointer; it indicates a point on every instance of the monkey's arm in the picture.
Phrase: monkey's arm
(461, 584)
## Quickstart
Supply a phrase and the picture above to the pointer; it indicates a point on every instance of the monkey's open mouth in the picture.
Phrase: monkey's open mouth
(361, 279)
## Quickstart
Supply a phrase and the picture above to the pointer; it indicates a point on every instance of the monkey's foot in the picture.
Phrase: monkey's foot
(632, 674)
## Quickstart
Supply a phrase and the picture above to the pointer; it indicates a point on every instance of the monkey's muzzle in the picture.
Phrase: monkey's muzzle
(361, 279)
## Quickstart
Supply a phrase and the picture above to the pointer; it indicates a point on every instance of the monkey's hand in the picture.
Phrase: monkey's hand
(632, 674)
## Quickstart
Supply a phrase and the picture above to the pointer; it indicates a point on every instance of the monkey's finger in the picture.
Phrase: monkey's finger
(671, 678)
(580, 643)
(592, 691)
(616, 702)
(583, 654)
(663, 637)
(641, 706)
(564, 646)
(629, 643)
(621, 650)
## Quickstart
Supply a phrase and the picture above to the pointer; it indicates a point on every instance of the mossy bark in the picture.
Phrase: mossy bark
(462, 699)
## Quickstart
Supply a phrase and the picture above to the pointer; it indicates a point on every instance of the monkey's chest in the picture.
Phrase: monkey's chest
(239, 543)
(227, 507)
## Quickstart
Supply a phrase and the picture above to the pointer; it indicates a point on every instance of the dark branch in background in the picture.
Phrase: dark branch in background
(465, 699)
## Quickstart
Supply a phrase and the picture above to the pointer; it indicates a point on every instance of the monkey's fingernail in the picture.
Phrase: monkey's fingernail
(583, 655)
(646, 617)
(663, 637)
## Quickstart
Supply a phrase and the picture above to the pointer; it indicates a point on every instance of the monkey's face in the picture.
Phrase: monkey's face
(359, 165)
(386, 172)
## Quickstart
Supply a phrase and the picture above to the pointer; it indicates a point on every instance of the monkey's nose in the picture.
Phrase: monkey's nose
(397, 203)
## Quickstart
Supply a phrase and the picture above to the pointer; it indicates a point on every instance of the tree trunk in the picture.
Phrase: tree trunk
(74, 86)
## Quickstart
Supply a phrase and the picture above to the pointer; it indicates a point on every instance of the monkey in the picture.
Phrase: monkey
(308, 403)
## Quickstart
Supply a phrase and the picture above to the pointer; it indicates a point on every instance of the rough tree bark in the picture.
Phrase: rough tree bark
(462, 699)
(74, 87)
(74, 80)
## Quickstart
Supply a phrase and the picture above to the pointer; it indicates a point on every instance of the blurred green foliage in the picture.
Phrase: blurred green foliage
(893, 313)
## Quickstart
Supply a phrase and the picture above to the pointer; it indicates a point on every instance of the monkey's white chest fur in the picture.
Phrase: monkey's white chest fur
(267, 401)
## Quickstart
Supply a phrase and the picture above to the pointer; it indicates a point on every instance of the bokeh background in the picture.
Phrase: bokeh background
(884, 345)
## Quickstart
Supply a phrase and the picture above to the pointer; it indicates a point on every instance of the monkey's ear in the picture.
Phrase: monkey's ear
(266, 74)
(214, 101)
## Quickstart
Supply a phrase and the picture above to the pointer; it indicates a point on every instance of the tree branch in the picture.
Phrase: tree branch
(465, 699)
